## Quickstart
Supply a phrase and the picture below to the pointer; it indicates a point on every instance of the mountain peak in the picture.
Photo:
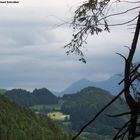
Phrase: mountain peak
(83, 80)
(110, 85)
(77, 86)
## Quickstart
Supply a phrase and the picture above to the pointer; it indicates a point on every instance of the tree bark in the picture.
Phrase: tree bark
(133, 105)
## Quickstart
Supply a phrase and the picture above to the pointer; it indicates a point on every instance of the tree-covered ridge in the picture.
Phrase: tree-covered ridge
(38, 96)
(80, 107)
(86, 103)
(18, 123)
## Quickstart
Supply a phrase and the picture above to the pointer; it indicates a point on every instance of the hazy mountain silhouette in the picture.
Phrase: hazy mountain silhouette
(110, 85)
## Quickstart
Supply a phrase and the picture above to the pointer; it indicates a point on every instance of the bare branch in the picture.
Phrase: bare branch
(123, 134)
(120, 130)
(121, 13)
(122, 56)
(130, 73)
(127, 47)
(119, 115)
(123, 23)
(129, 1)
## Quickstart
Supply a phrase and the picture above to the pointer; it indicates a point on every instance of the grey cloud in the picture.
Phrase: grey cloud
(32, 54)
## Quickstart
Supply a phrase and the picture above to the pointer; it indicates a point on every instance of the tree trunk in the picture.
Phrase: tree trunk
(129, 99)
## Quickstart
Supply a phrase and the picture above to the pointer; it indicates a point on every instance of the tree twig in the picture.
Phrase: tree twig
(119, 115)
(120, 130)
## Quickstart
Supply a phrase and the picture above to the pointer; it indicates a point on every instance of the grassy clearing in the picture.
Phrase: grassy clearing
(58, 116)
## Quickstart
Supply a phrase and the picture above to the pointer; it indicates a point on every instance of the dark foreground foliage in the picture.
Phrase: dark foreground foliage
(17, 123)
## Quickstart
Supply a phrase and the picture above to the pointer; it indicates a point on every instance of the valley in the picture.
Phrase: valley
(72, 111)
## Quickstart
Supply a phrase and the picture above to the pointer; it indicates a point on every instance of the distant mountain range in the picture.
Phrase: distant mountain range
(110, 85)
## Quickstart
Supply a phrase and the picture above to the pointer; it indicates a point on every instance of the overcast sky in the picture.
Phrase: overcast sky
(31, 47)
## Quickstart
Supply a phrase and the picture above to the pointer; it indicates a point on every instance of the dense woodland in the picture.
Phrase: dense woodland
(19, 123)
(26, 98)
(81, 106)
(89, 101)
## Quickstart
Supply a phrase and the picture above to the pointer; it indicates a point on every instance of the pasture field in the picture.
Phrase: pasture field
(59, 116)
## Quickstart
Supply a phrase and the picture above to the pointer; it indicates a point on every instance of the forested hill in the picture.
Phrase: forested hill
(80, 107)
(83, 105)
(18, 123)
(38, 96)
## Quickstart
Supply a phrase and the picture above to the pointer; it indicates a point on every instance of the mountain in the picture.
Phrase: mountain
(44, 96)
(110, 85)
(20, 96)
(83, 105)
(26, 98)
(80, 106)
(77, 86)
(18, 123)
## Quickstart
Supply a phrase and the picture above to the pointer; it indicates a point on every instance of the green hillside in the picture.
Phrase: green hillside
(26, 98)
(3, 91)
(73, 111)
(83, 105)
(18, 123)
